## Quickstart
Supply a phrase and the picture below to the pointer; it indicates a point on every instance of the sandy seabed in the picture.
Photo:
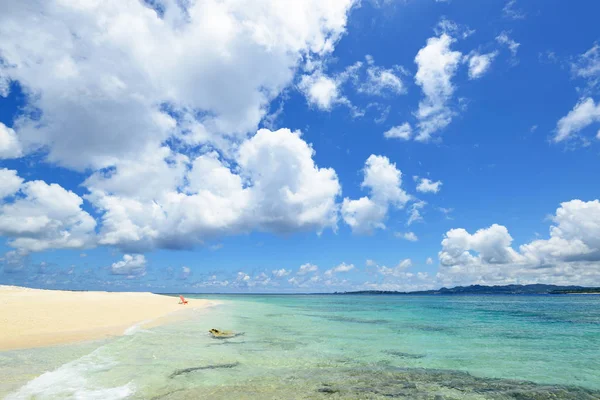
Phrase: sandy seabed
(36, 318)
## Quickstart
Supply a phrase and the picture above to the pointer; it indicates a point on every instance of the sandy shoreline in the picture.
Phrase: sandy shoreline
(37, 318)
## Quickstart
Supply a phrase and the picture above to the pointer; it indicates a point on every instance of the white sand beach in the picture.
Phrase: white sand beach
(36, 318)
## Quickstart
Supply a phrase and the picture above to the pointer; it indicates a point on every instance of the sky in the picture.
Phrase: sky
(315, 146)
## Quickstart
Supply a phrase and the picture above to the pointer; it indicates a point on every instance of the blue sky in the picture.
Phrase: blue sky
(214, 146)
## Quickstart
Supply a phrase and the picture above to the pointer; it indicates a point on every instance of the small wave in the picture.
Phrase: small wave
(133, 329)
(70, 381)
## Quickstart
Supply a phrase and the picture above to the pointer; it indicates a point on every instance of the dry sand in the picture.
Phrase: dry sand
(37, 318)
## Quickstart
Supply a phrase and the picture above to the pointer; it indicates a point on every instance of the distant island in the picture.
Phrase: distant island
(506, 289)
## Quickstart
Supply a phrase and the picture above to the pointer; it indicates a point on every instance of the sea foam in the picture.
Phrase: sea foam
(70, 381)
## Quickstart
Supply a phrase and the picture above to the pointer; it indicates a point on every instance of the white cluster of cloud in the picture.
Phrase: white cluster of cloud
(280, 273)
(343, 267)
(437, 64)
(118, 66)
(397, 278)
(137, 88)
(324, 91)
(479, 64)
(415, 212)
(428, 186)
(586, 112)
(397, 271)
(42, 216)
(381, 81)
(587, 66)
(130, 265)
(307, 268)
(504, 39)
(277, 188)
(410, 236)
(569, 256)
(403, 131)
(383, 180)
(9, 143)
(306, 277)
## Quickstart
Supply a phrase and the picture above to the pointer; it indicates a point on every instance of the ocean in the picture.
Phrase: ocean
(334, 347)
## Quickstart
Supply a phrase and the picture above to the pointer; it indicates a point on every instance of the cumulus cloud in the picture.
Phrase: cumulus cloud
(9, 143)
(479, 64)
(221, 62)
(343, 267)
(280, 273)
(307, 268)
(261, 279)
(276, 187)
(403, 131)
(325, 91)
(569, 256)
(398, 278)
(429, 261)
(321, 91)
(131, 265)
(43, 216)
(397, 271)
(429, 186)
(10, 183)
(381, 81)
(437, 64)
(169, 94)
(584, 114)
(410, 236)
(242, 277)
(383, 180)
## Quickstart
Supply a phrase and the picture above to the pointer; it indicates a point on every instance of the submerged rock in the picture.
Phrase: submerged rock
(327, 390)
(381, 384)
(204, 367)
(400, 354)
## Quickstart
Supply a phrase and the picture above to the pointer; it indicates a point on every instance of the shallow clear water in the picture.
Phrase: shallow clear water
(357, 347)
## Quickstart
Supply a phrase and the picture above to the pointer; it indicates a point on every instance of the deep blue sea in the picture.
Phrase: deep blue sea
(334, 347)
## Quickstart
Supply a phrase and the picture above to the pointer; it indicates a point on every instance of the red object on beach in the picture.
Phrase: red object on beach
(183, 301)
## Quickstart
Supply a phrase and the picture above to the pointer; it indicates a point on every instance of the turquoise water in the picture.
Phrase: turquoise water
(333, 347)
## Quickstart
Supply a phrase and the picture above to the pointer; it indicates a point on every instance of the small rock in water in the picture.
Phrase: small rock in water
(403, 355)
(327, 390)
(192, 369)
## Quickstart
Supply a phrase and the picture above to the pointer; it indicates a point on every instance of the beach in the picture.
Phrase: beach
(37, 318)
(324, 347)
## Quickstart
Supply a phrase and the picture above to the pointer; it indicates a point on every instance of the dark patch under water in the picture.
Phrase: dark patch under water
(400, 354)
(203, 367)
(417, 384)
(429, 328)
(350, 319)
